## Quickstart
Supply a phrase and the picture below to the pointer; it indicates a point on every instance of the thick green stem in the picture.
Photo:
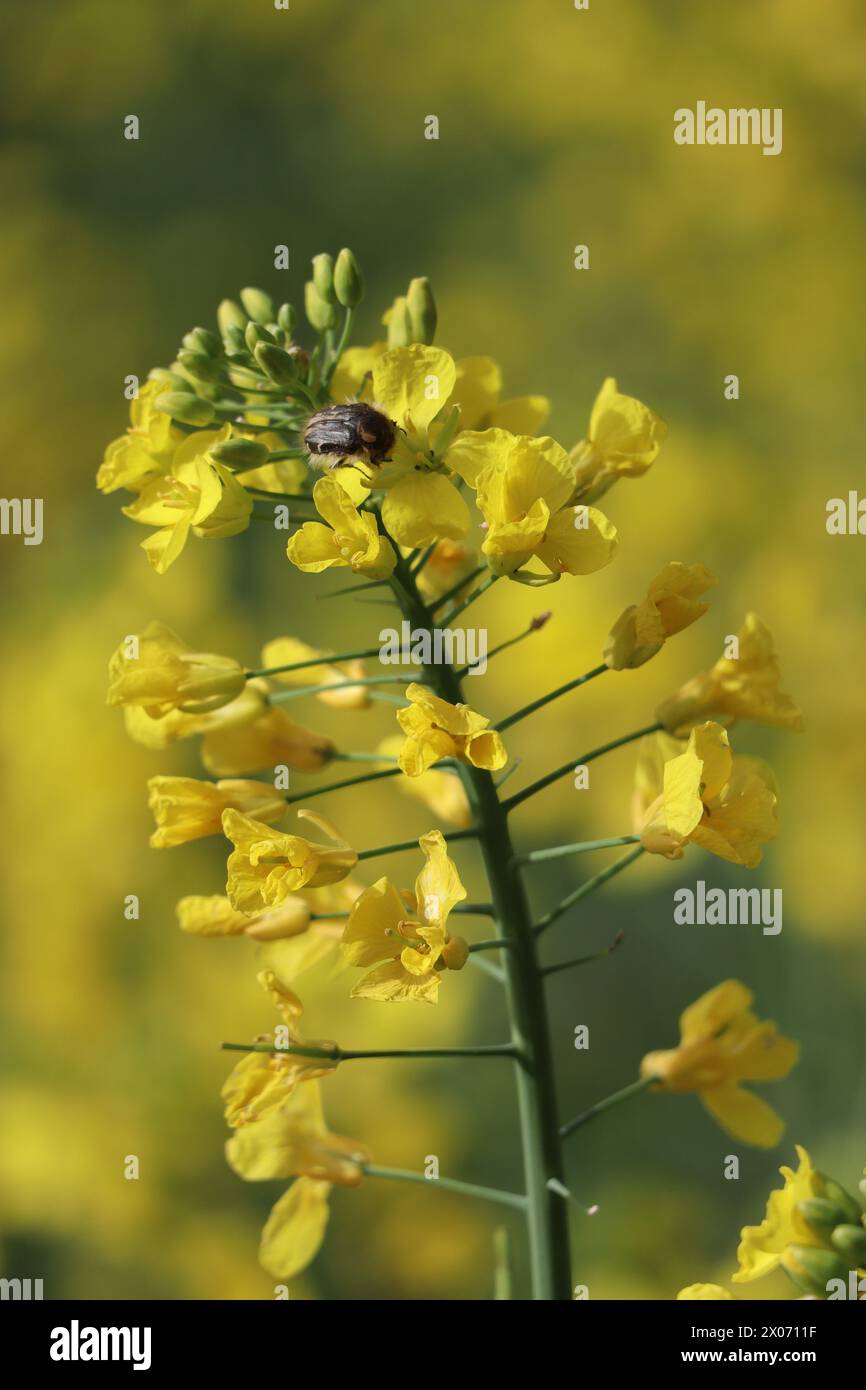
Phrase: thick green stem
(546, 1210)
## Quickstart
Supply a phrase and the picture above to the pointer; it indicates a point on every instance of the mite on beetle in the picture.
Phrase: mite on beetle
(340, 434)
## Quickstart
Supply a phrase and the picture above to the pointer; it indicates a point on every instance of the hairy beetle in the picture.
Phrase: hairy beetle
(353, 431)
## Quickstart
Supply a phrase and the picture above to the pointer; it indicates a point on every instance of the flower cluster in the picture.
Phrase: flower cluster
(405, 467)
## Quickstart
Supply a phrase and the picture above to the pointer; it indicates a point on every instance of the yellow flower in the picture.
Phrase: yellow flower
(351, 538)
(477, 391)
(435, 729)
(710, 798)
(671, 604)
(267, 865)
(159, 673)
(293, 1141)
(743, 687)
(523, 486)
(197, 494)
(721, 1044)
(147, 448)
(704, 1293)
(285, 651)
(285, 475)
(623, 442)
(186, 809)
(448, 563)
(412, 385)
(159, 731)
(762, 1248)
(441, 791)
(293, 954)
(405, 937)
(262, 1081)
(653, 752)
(215, 916)
(269, 741)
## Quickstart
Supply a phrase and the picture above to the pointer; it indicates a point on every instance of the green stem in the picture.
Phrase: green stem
(607, 1104)
(538, 856)
(546, 699)
(314, 661)
(280, 696)
(546, 1210)
(338, 786)
(468, 1189)
(340, 348)
(585, 888)
(447, 618)
(577, 762)
(413, 844)
(455, 588)
(584, 960)
(343, 1054)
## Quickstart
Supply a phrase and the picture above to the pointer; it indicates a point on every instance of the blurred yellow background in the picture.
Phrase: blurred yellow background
(305, 127)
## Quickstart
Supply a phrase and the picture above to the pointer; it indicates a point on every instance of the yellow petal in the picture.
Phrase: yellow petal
(744, 1115)
(412, 384)
(424, 507)
(294, 1231)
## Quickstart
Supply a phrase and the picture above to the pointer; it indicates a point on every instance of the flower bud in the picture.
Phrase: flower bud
(230, 315)
(279, 365)
(199, 365)
(256, 333)
(422, 310)
(319, 312)
(850, 1241)
(455, 953)
(348, 280)
(202, 340)
(184, 406)
(837, 1193)
(258, 305)
(812, 1269)
(399, 324)
(821, 1214)
(323, 277)
(240, 453)
(287, 318)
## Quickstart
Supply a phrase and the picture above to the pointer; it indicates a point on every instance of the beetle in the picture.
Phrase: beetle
(353, 431)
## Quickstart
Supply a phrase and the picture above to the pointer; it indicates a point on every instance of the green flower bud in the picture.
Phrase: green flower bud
(199, 365)
(821, 1214)
(202, 340)
(320, 314)
(837, 1193)
(279, 365)
(323, 277)
(256, 333)
(861, 1187)
(235, 339)
(172, 381)
(851, 1242)
(287, 318)
(422, 310)
(184, 406)
(812, 1269)
(399, 324)
(258, 305)
(230, 315)
(348, 280)
(241, 453)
